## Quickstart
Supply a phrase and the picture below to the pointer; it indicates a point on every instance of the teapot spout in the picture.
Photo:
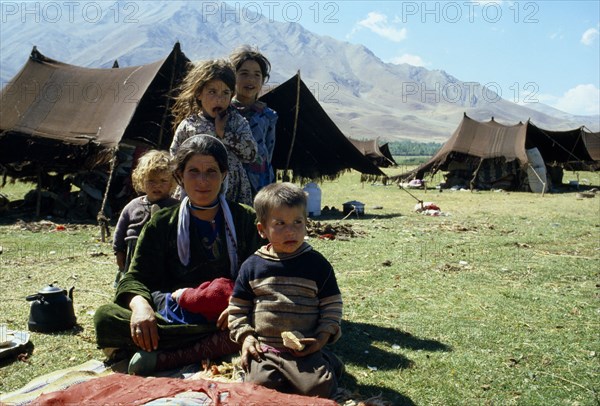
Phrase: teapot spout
(71, 292)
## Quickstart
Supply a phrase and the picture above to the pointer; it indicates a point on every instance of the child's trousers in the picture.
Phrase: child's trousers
(316, 374)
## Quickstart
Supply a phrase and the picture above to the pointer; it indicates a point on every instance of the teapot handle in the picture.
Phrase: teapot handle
(31, 298)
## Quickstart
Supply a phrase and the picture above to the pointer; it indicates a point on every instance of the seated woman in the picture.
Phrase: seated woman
(200, 240)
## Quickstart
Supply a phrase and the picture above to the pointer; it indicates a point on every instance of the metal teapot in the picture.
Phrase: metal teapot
(51, 309)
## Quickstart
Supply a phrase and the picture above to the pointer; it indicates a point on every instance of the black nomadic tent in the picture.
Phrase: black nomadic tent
(308, 142)
(379, 155)
(493, 155)
(67, 118)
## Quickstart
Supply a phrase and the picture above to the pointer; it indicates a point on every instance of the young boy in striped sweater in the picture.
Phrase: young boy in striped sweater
(287, 289)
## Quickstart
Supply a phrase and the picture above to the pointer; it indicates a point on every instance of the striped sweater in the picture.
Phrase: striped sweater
(275, 293)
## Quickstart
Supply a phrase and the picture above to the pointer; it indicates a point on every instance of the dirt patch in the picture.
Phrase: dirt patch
(328, 231)
(48, 226)
(450, 268)
(461, 228)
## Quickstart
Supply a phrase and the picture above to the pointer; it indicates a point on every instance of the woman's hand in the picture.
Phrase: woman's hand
(250, 349)
(144, 330)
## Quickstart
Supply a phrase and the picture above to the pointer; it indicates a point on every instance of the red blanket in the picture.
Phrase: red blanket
(137, 390)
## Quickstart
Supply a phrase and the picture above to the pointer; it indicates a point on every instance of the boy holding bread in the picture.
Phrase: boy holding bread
(286, 304)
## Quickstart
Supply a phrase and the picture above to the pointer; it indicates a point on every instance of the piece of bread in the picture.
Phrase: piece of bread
(291, 339)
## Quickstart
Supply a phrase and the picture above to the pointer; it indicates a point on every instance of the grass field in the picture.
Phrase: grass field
(496, 302)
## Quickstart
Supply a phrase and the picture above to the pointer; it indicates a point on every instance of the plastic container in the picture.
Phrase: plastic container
(313, 208)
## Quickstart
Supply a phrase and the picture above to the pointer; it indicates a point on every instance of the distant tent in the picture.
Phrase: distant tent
(66, 118)
(573, 149)
(379, 155)
(492, 155)
(308, 143)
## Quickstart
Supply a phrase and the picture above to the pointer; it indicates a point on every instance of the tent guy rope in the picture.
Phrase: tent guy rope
(101, 217)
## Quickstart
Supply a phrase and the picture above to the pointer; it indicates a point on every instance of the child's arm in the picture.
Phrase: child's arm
(119, 244)
(238, 138)
(183, 131)
(270, 137)
(220, 121)
(177, 140)
(239, 311)
(330, 314)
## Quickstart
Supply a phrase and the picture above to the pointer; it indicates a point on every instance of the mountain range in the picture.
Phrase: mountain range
(365, 97)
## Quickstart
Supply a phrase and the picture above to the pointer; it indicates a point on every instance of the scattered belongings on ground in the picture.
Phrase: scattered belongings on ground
(429, 209)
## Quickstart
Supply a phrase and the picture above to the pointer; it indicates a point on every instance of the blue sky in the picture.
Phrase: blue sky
(547, 51)
(526, 51)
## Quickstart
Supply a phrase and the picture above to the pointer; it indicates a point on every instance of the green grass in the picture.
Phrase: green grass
(411, 159)
(496, 303)
(16, 190)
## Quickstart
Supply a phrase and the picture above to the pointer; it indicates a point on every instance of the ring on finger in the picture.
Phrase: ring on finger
(138, 332)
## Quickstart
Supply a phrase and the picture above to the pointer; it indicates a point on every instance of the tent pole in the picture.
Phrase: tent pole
(289, 156)
(475, 174)
(101, 217)
(38, 204)
(168, 103)
(538, 176)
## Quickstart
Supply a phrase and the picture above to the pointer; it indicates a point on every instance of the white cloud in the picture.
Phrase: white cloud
(409, 59)
(581, 100)
(378, 23)
(589, 36)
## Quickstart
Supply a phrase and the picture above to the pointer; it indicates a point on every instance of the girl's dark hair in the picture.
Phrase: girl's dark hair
(201, 144)
(247, 53)
(186, 101)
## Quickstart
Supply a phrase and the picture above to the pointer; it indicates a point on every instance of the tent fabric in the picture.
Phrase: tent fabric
(494, 151)
(380, 156)
(592, 143)
(474, 141)
(64, 116)
(385, 150)
(316, 147)
(564, 147)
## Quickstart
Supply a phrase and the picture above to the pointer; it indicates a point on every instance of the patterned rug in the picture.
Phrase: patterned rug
(55, 381)
(94, 383)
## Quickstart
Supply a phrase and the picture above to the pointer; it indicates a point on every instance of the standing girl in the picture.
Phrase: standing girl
(203, 107)
(252, 72)
(151, 176)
